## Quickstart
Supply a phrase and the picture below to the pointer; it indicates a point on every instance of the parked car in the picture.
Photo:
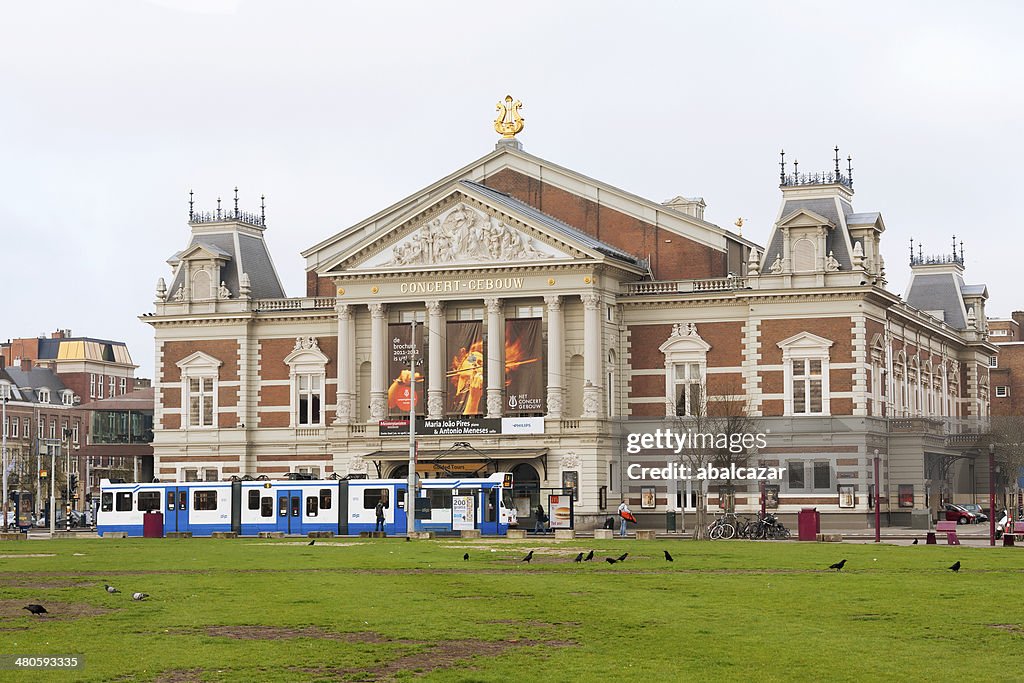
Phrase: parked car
(955, 513)
(975, 510)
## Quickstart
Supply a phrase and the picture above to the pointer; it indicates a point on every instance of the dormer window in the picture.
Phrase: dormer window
(67, 398)
(44, 395)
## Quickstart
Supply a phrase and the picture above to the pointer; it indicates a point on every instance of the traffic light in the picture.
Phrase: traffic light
(74, 482)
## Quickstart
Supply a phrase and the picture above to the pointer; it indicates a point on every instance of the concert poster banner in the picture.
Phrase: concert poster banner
(466, 368)
(525, 387)
(400, 389)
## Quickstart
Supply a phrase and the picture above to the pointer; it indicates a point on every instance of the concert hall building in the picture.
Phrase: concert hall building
(551, 310)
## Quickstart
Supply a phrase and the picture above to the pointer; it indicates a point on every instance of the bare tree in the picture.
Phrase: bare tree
(721, 432)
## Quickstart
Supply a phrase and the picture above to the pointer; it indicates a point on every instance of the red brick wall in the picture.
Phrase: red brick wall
(679, 258)
(645, 340)
(647, 409)
(647, 385)
(726, 339)
(837, 330)
(224, 350)
(319, 286)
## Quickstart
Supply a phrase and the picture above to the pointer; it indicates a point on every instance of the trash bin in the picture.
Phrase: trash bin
(808, 524)
(670, 521)
(153, 524)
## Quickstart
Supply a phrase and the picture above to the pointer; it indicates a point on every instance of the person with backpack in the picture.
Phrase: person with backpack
(541, 518)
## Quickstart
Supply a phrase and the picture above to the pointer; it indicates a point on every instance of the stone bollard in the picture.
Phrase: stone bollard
(516, 533)
(645, 535)
(604, 534)
(470, 533)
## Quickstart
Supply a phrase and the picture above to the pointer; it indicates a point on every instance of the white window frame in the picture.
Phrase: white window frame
(74, 432)
(124, 385)
(199, 366)
(99, 387)
(112, 385)
(1005, 391)
(803, 348)
(14, 428)
(685, 348)
(993, 361)
(92, 385)
(307, 363)
(53, 428)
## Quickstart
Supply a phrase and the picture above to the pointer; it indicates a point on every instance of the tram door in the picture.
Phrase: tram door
(175, 509)
(289, 511)
(487, 511)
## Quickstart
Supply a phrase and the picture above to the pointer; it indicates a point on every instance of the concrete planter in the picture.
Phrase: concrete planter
(13, 536)
(645, 535)
(516, 534)
(271, 534)
(470, 533)
(223, 534)
(603, 534)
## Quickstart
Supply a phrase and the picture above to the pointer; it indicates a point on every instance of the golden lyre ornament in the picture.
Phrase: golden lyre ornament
(509, 122)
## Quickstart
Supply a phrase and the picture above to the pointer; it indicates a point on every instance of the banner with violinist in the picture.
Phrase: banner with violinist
(466, 367)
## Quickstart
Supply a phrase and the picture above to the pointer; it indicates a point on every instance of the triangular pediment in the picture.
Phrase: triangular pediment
(201, 251)
(466, 229)
(805, 218)
(804, 341)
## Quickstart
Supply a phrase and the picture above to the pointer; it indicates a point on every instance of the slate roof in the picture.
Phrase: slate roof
(553, 224)
(252, 258)
(938, 292)
(140, 399)
(827, 208)
(37, 378)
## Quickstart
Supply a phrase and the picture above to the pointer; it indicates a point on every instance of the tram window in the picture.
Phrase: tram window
(182, 500)
(311, 506)
(325, 499)
(372, 496)
(124, 501)
(170, 500)
(440, 498)
(149, 500)
(254, 500)
(401, 499)
(266, 506)
(107, 502)
(204, 500)
(490, 510)
(283, 507)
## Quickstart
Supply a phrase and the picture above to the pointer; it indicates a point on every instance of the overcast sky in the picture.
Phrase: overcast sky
(110, 111)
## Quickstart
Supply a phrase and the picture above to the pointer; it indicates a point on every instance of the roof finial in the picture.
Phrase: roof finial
(782, 167)
(236, 201)
(849, 170)
(911, 251)
(920, 252)
(263, 209)
(954, 247)
(191, 205)
(218, 208)
(509, 122)
(796, 171)
(961, 252)
(837, 163)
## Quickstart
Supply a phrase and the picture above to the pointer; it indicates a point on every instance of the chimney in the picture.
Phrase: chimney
(3, 361)
(26, 364)
(61, 334)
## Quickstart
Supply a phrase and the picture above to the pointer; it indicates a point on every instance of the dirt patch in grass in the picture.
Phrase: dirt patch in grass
(1013, 628)
(533, 622)
(56, 611)
(32, 582)
(443, 655)
(180, 676)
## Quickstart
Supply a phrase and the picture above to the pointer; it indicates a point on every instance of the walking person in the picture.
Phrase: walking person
(540, 517)
(624, 514)
(379, 526)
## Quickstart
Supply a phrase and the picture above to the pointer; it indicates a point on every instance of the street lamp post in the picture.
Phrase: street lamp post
(3, 396)
(878, 512)
(992, 494)
(410, 495)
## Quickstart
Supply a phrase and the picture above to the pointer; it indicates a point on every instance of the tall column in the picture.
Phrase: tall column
(495, 357)
(346, 365)
(378, 362)
(437, 369)
(592, 355)
(556, 355)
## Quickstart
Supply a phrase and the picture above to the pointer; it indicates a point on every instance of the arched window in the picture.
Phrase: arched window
(202, 285)
(804, 255)
(686, 367)
(805, 359)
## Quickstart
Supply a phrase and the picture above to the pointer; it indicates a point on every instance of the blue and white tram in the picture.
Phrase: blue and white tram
(296, 507)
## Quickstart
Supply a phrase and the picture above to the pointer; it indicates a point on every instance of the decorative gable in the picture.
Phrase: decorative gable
(804, 345)
(463, 234)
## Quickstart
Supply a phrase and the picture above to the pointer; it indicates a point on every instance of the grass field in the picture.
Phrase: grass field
(350, 610)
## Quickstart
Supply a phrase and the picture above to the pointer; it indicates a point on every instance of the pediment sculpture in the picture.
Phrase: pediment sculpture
(465, 235)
